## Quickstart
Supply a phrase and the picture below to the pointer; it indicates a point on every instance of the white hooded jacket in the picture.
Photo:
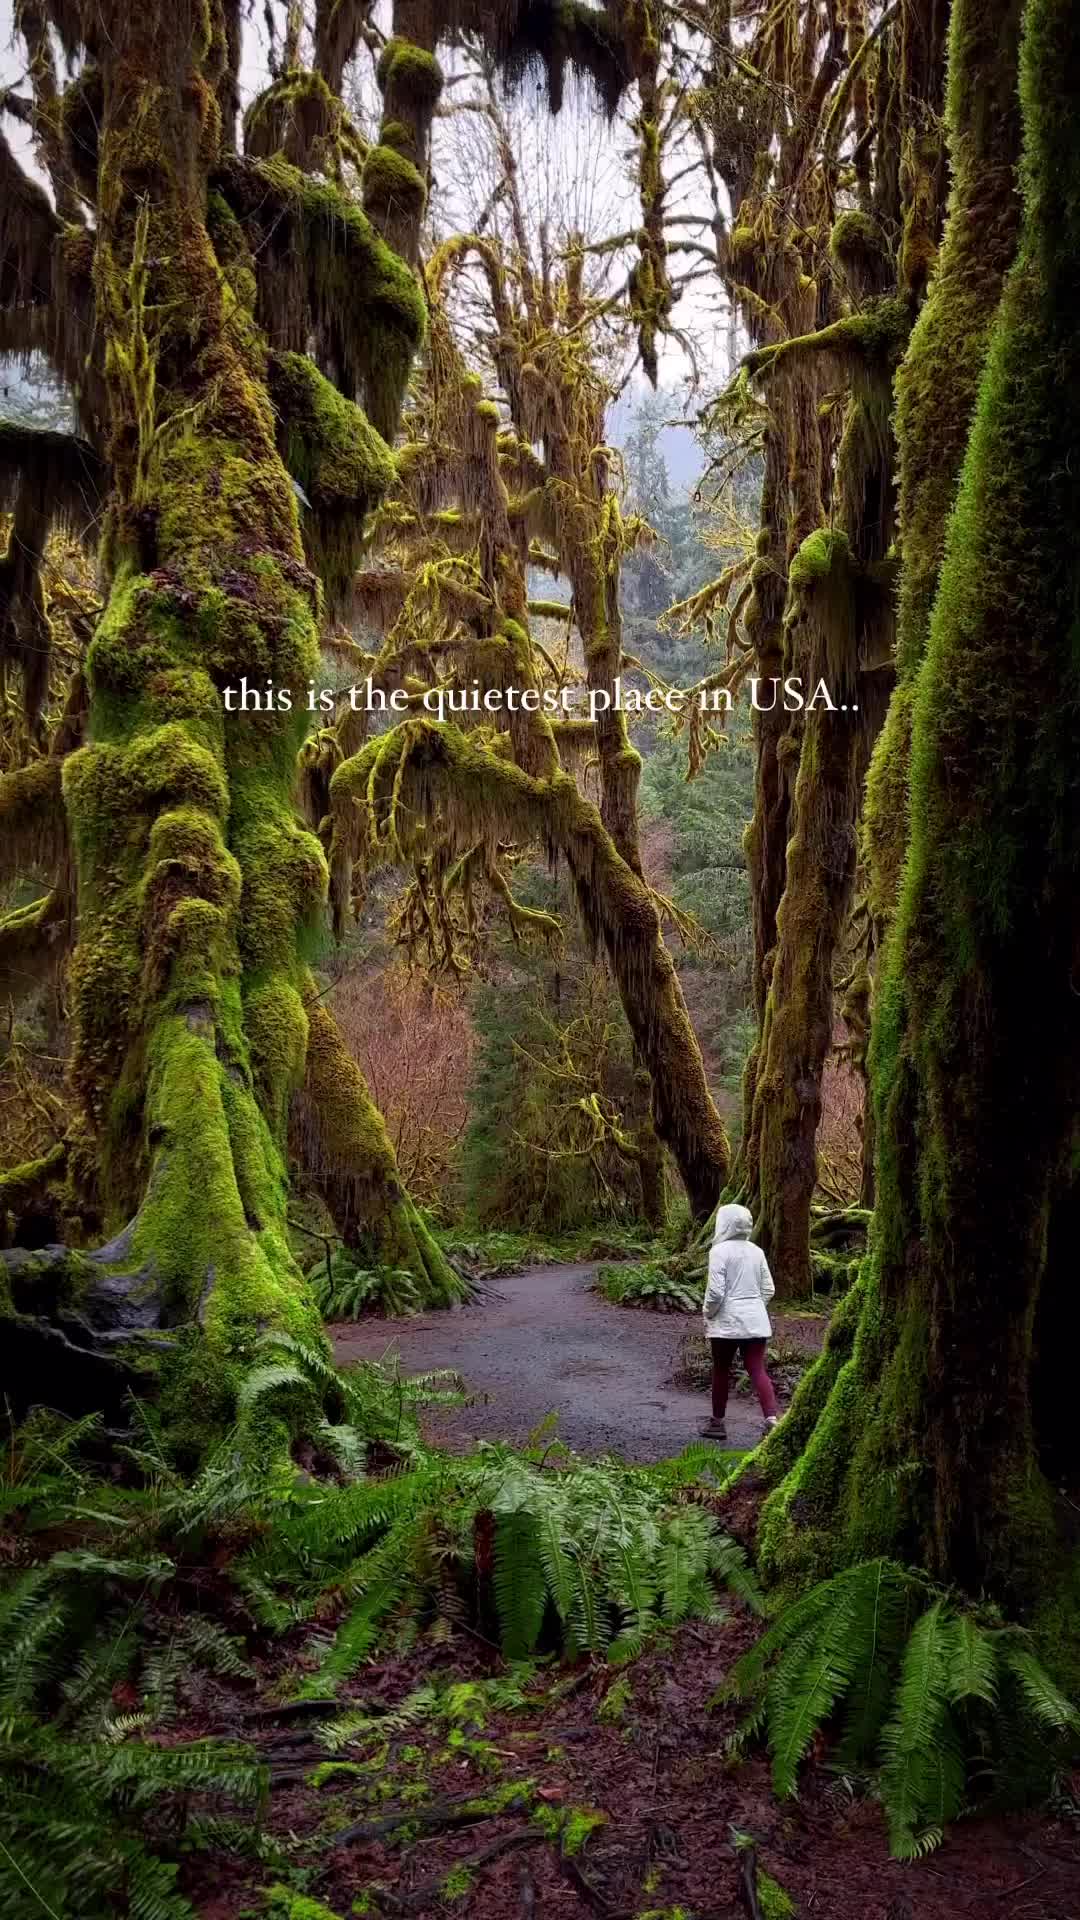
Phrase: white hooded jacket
(739, 1284)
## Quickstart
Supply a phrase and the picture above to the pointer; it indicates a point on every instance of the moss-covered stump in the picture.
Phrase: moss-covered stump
(928, 1446)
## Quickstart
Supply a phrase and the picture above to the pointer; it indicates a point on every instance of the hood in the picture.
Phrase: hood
(733, 1223)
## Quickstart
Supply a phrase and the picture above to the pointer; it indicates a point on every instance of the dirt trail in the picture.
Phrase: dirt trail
(543, 1341)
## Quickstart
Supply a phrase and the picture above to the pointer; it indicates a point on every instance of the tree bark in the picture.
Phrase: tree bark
(928, 1444)
(198, 888)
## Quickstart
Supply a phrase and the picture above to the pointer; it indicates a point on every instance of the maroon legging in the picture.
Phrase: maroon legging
(753, 1353)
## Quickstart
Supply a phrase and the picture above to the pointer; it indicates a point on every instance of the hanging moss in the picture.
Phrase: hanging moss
(343, 466)
(322, 267)
(552, 35)
(47, 479)
(383, 795)
(297, 116)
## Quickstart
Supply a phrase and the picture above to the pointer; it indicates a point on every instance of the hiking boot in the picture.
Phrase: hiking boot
(714, 1430)
(772, 1420)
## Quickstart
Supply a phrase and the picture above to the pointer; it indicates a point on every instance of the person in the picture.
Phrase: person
(737, 1293)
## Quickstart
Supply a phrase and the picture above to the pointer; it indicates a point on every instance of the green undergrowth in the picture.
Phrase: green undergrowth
(944, 1703)
(650, 1285)
(488, 1253)
(121, 1580)
(344, 1290)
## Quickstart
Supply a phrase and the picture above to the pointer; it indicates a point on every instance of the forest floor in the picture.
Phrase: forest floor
(543, 1341)
(594, 1795)
(585, 1792)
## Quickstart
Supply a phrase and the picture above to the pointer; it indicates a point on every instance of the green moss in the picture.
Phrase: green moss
(232, 251)
(937, 380)
(395, 134)
(409, 72)
(284, 1904)
(296, 115)
(775, 1904)
(857, 239)
(392, 183)
(359, 293)
(342, 464)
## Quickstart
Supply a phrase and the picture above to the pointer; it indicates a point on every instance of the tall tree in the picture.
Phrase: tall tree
(479, 505)
(236, 327)
(930, 1437)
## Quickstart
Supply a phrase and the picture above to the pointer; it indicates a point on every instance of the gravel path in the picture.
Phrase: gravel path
(543, 1341)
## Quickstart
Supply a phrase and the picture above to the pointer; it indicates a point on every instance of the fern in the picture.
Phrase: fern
(519, 1582)
(1044, 1703)
(947, 1703)
(208, 1645)
(650, 1286)
(922, 1779)
(75, 1816)
(343, 1291)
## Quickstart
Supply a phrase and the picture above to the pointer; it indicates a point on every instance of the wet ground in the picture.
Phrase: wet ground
(542, 1341)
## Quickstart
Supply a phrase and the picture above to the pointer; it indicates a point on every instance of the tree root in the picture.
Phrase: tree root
(432, 1889)
(81, 1333)
(573, 1871)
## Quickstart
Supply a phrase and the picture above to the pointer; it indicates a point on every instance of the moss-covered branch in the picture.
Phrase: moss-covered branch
(424, 770)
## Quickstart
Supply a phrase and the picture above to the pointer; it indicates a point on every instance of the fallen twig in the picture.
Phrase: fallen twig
(748, 1893)
(582, 1885)
(465, 1812)
(431, 1889)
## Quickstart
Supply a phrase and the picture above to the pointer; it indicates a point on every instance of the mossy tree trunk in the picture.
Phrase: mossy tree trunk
(936, 387)
(196, 883)
(841, 602)
(200, 892)
(928, 1442)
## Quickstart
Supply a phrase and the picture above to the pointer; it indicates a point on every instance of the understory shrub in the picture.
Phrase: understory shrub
(947, 1703)
(486, 1253)
(379, 1538)
(652, 1285)
(343, 1290)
